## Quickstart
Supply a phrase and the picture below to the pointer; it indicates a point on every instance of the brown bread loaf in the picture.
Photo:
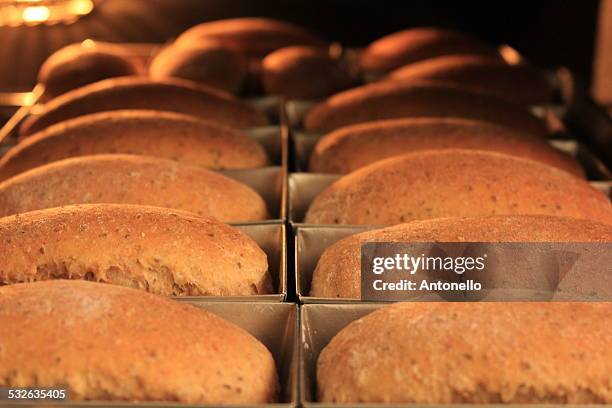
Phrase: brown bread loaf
(80, 64)
(108, 343)
(401, 99)
(186, 139)
(338, 272)
(206, 61)
(456, 352)
(172, 95)
(519, 83)
(302, 72)
(416, 44)
(129, 179)
(351, 147)
(455, 183)
(253, 37)
(159, 250)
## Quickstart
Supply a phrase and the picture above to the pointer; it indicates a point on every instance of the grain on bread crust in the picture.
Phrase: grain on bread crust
(105, 342)
(83, 63)
(338, 271)
(351, 147)
(162, 251)
(206, 61)
(483, 352)
(455, 183)
(416, 44)
(186, 139)
(520, 83)
(254, 37)
(402, 99)
(128, 179)
(174, 95)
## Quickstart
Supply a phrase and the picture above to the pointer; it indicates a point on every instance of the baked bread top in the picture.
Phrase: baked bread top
(174, 95)
(403, 99)
(106, 342)
(458, 352)
(455, 183)
(338, 271)
(159, 250)
(184, 138)
(128, 179)
(351, 147)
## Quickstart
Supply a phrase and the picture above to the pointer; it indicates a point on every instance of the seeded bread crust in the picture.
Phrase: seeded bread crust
(338, 272)
(455, 183)
(458, 352)
(520, 83)
(127, 179)
(174, 95)
(158, 250)
(406, 99)
(105, 342)
(349, 148)
(409, 46)
(169, 135)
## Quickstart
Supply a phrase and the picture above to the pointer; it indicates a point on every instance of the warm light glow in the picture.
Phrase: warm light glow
(35, 14)
(510, 55)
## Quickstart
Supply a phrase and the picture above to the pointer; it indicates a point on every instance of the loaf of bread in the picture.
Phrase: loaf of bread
(205, 61)
(456, 352)
(80, 64)
(302, 72)
(519, 83)
(351, 147)
(105, 342)
(338, 272)
(253, 37)
(155, 249)
(172, 95)
(416, 44)
(186, 139)
(401, 99)
(129, 179)
(455, 183)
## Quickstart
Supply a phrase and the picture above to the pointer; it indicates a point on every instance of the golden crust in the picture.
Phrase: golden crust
(302, 72)
(520, 83)
(127, 179)
(338, 272)
(105, 342)
(402, 99)
(253, 37)
(455, 183)
(416, 44)
(169, 135)
(135, 92)
(159, 250)
(351, 147)
(438, 353)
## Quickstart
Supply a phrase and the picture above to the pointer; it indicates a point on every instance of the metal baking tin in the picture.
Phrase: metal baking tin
(304, 187)
(274, 324)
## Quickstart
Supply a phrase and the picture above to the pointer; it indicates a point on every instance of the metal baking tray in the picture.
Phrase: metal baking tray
(276, 325)
(304, 187)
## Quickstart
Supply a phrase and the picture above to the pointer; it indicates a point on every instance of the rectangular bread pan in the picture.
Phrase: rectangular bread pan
(320, 323)
(274, 324)
(304, 143)
(304, 187)
(271, 238)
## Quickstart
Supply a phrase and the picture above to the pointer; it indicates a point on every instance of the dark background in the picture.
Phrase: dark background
(550, 33)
